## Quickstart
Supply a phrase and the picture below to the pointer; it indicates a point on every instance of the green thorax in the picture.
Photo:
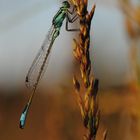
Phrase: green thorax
(59, 17)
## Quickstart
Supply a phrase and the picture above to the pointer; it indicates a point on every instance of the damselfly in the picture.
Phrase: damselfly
(38, 66)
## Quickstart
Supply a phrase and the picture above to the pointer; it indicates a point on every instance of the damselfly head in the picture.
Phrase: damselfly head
(66, 4)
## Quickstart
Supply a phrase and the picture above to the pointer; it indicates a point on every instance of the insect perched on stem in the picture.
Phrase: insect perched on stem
(38, 66)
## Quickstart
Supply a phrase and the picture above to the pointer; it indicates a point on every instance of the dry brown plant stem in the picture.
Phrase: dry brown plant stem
(88, 102)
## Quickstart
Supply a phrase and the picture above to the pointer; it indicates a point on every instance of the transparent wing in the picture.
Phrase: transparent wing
(37, 68)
